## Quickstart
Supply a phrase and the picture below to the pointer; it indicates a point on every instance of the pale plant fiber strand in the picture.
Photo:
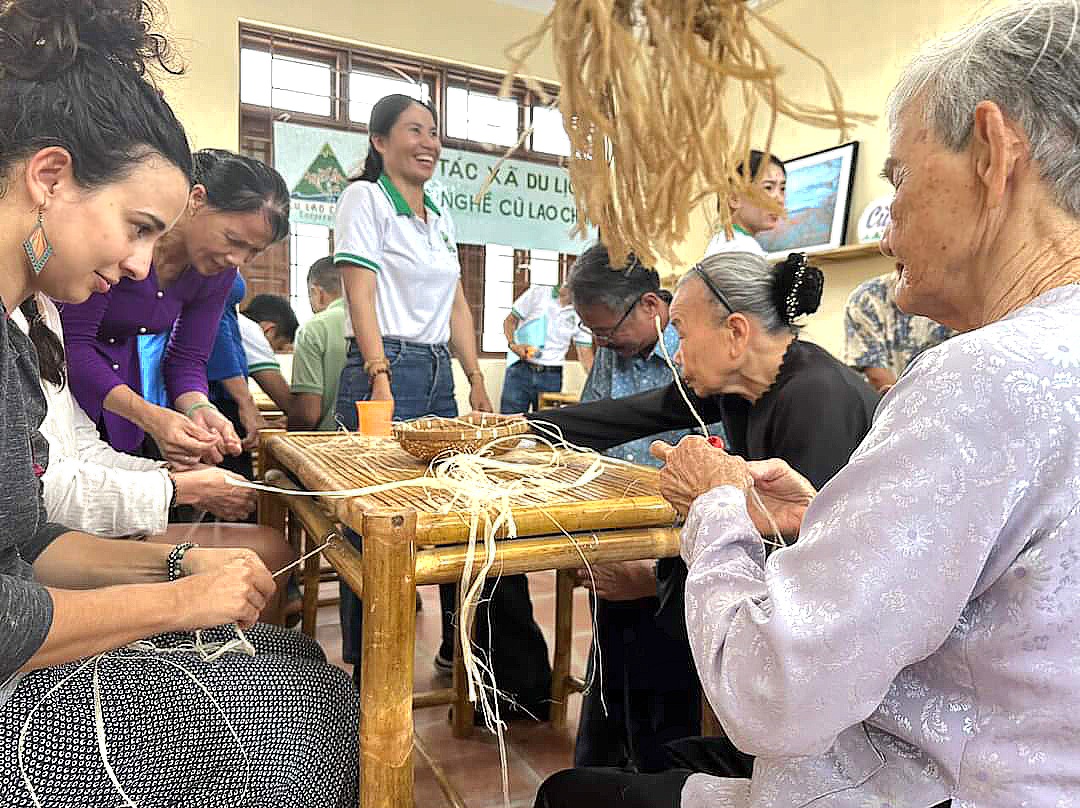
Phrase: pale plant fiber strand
(488, 501)
(659, 99)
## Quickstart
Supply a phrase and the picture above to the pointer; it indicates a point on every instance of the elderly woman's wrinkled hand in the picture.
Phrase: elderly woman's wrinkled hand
(694, 467)
(784, 492)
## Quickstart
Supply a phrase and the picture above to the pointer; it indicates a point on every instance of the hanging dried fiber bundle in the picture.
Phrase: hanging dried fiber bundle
(659, 99)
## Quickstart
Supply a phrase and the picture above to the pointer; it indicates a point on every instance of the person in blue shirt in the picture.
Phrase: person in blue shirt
(227, 373)
(647, 704)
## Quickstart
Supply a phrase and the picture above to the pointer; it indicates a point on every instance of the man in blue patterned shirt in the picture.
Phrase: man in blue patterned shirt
(647, 704)
(879, 339)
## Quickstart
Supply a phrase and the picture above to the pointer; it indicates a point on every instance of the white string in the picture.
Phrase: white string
(154, 654)
(469, 480)
(678, 377)
(302, 558)
(99, 732)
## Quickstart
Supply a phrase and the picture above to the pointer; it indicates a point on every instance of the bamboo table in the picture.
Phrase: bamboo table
(409, 542)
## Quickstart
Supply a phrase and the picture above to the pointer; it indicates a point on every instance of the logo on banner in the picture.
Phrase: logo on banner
(314, 197)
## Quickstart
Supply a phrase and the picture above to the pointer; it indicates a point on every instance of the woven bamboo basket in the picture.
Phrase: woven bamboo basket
(427, 438)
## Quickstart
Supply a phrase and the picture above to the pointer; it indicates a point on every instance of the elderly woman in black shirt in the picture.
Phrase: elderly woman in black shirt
(743, 364)
(776, 395)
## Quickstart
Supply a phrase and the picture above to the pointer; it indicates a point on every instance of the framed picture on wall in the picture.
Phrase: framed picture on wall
(818, 202)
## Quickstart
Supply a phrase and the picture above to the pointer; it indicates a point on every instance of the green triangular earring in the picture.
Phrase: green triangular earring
(37, 246)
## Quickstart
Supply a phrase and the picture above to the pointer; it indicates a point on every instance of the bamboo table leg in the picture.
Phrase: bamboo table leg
(272, 508)
(461, 711)
(564, 641)
(389, 633)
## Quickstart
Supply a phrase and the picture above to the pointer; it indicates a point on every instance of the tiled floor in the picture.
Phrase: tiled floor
(472, 765)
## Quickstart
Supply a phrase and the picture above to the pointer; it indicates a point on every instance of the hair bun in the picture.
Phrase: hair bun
(41, 39)
(797, 287)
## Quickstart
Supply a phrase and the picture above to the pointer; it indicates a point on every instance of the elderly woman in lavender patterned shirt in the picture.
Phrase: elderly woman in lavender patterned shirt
(919, 644)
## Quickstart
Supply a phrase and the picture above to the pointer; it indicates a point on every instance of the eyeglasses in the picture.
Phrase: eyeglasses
(701, 273)
(606, 338)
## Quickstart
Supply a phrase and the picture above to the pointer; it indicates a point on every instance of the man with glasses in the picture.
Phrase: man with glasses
(647, 703)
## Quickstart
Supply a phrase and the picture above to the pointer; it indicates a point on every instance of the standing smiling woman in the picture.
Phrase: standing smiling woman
(401, 277)
(93, 170)
(237, 208)
(407, 314)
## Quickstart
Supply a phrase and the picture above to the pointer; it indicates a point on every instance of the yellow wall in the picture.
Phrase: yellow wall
(474, 32)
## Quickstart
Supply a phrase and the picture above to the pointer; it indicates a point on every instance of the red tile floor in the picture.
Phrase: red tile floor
(472, 764)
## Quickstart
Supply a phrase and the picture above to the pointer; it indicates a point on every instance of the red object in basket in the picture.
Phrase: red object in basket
(717, 442)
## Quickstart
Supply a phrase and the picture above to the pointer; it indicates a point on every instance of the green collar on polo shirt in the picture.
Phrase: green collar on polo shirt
(401, 207)
(735, 227)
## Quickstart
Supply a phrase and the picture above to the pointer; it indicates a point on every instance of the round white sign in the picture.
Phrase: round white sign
(874, 219)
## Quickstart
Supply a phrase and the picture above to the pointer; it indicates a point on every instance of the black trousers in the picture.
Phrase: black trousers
(651, 694)
(613, 788)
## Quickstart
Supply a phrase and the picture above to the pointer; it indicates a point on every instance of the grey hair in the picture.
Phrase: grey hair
(748, 283)
(593, 281)
(1022, 58)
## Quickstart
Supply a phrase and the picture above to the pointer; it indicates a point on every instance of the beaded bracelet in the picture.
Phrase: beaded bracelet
(174, 563)
(175, 491)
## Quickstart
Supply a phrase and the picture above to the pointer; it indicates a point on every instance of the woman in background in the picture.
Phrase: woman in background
(748, 218)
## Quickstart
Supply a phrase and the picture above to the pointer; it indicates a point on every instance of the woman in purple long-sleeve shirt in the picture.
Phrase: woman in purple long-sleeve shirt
(238, 207)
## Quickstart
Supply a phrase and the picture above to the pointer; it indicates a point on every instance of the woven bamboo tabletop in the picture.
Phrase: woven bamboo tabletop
(623, 496)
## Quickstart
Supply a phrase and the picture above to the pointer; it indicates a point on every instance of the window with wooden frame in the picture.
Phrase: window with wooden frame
(316, 82)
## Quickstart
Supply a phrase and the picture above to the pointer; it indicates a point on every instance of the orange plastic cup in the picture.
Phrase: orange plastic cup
(373, 418)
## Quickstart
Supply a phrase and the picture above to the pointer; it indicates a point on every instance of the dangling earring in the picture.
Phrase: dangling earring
(37, 246)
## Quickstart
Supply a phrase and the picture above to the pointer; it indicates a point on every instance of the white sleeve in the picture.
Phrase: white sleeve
(581, 336)
(257, 350)
(102, 491)
(92, 449)
(90, 486)
(524, 307)
(358, 229)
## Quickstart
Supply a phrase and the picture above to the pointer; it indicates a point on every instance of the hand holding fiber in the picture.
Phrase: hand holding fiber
(694, 467)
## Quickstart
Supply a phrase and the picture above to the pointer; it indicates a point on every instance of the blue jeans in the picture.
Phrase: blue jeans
(523, 384)
(421, 380)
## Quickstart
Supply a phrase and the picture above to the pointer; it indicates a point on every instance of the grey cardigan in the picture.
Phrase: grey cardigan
(25, 605)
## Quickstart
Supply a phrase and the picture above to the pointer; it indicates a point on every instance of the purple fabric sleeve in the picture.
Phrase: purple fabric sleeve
(90, 373)
(193, 336)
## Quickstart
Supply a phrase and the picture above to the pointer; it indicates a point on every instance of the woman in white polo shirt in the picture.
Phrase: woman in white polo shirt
(747, 218)
(407, 314)
(400, 272)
